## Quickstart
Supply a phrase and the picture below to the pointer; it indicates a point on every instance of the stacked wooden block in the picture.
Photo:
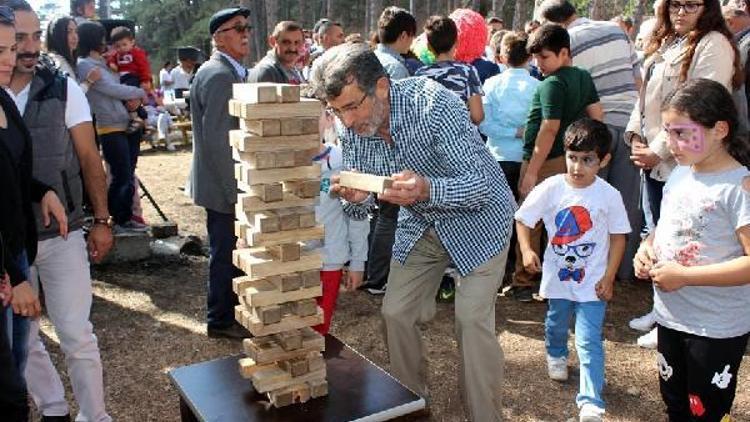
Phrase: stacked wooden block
(277, 140)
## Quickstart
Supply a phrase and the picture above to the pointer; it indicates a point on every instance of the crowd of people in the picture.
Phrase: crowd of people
(549, 164)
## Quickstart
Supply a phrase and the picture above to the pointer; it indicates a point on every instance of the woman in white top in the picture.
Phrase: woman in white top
(61, 44)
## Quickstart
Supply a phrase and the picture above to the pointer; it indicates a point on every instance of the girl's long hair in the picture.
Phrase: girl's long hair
(710, 19)
(57, 39)
(706, 102)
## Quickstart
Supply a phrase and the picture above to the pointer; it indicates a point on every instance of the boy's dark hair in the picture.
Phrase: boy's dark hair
(90, 38)
(557, 11)
(121, 33)
(515, 45)
(76, 5)
(549, 36)
(393, 21)
(585, 135)
(441, 33)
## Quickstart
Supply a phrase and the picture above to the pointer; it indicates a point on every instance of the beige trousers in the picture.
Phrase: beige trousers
(410, 300)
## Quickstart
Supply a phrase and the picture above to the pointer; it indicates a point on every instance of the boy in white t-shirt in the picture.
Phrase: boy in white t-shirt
(586, 223)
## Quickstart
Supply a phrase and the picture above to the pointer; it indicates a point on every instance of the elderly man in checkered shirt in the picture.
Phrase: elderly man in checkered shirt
(456, 207)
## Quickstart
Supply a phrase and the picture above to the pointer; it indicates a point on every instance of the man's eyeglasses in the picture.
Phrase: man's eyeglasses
(7, 15)
(689, 7)
(240, 29)
(340, 113)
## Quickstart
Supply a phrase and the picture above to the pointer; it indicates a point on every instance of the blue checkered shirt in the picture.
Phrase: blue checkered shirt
(470, 207)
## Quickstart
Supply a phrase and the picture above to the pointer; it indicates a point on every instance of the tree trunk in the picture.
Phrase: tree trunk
(520, 14)
(376, 8)
(329, 7)
(105, 10)
(302, 12)
(640, 10)
(598, 11)
(535, 14)
(272, 15)
(258, 20)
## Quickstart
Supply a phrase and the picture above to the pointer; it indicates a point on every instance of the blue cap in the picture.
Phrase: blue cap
(224, 15)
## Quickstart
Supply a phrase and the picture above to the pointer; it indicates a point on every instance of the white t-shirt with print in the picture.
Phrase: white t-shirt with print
(578, 224)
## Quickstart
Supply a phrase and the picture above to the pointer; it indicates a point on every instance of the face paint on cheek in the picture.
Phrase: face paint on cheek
(686, 137)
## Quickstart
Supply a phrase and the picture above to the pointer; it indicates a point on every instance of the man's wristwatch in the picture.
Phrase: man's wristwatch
(104, 221)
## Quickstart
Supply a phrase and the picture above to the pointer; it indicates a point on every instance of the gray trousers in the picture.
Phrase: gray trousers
(410, 300)
(625, 177)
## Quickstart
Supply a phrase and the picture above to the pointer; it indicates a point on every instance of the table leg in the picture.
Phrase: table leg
(186, 413)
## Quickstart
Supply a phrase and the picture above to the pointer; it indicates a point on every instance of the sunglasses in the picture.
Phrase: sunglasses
(240, 29)
(689, 8)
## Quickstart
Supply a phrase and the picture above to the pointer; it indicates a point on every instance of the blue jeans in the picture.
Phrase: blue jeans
(221, 271)
(589, 343)
(121, 153)
(18, 326)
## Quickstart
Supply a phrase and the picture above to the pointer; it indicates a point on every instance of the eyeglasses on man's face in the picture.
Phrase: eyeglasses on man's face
(340, 113)
(239, 28)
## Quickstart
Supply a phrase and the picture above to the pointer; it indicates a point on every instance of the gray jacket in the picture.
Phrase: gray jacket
(107, 94)
(269, 69)
(211, 183)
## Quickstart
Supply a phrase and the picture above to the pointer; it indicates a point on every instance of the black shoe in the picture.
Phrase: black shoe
(234, 331)
(447, 291)
(65, 418)
(523, 294)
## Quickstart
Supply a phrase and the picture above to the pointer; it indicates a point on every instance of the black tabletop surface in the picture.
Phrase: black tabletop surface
(357, 389)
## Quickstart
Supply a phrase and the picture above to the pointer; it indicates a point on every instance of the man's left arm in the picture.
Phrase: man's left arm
(78, 121)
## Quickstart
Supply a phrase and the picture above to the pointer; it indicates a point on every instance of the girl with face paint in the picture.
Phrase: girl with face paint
(697, 256)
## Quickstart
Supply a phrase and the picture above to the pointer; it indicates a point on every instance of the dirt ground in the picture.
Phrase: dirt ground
(149, 318)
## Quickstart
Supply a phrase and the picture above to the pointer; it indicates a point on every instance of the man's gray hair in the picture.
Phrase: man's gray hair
(325, 26)
(345, 64)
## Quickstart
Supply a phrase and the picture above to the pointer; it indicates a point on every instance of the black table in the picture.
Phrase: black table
(357, 390)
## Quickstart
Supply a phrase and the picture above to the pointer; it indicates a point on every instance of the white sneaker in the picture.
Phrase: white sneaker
(590, 413)
(648, 341)
(644, 323)
(557, 368)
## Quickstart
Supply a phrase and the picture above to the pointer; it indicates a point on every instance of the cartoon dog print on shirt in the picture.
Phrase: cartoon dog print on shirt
(572, 252)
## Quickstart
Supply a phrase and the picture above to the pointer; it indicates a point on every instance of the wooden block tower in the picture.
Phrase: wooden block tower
(277, 140)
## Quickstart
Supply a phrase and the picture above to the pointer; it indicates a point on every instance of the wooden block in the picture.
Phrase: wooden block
(296, 367)
(303, 188)
(267, 138)
(291, 127)
(248, 204)
(281, 398)
(164, 229)
(265, 223)
(305, 307)
(266, 293)
(287, 93)
(248, 367)
(304, 157)
(268, 314)
(257, 263)
(239, 284)
(315, 361)
(288, 219)
(285, 159)
(289, 340)
(310, 278)
(265, 381)
(310, 126)
(267, 192)
(253, 238)
(286, 282)
(255, 93)
(259, 161)
(290, 322)
(255, 176)
(307, 107)
(318, 388)
(365, 182)
(261, 127)
(306, 217)
(264, 350)
(285, 252)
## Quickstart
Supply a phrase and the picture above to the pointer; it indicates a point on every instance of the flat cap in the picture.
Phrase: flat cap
(224, 15)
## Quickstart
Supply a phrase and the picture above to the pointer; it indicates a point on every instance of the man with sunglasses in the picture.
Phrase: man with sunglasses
(212, 184)
(456, 206)
(280, 64)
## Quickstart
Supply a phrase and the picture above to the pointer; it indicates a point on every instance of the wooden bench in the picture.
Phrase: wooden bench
(184, 127)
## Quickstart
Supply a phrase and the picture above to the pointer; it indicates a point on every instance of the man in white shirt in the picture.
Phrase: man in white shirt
(182, 74)
(165, 78)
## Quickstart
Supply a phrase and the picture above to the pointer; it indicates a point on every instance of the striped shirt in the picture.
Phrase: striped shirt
(604, 50)
(471, 206)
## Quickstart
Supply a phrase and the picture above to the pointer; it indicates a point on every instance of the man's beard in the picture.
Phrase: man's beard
(370, 128)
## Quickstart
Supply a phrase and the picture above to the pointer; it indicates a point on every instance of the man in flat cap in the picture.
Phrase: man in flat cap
(211, 183)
